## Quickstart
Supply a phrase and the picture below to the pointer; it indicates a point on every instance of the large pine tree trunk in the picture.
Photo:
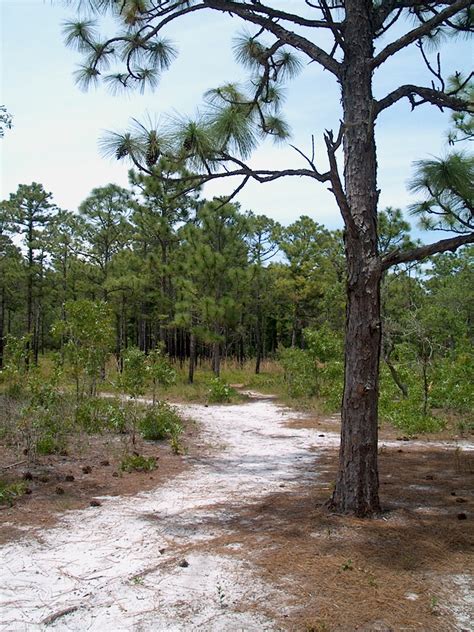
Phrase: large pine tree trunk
(357, 481)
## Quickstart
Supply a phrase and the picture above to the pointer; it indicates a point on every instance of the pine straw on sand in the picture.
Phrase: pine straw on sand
(396, 572)
(91, 468)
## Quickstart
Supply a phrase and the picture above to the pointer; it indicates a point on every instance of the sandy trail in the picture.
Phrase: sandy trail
(118, 567)
(145, 563)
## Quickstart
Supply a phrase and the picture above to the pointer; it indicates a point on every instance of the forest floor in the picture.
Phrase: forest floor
(234, 535)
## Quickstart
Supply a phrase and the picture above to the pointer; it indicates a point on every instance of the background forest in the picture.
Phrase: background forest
(149, 288)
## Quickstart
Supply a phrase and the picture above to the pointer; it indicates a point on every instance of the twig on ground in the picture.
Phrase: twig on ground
(8, 467)
(57, 615)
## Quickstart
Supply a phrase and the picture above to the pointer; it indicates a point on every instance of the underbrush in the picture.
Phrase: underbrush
(137, 463)
(11, 491)
(34, 426)
(159, 422)
(41, 408)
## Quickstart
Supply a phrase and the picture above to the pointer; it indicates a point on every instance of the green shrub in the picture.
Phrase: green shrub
(49, 444)
(9, 492)
(219, 391)
(452, 383)
(44, 421)
(324, 343)
(134, 374)
(96, 415)
(331, 384)
(160, 421)
(137, 463)
(300, 372)
(160, 369)
(407, 414)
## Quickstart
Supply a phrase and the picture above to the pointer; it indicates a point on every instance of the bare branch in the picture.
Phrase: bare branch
(386, 7)
(336, 185)
(234, 193)
(436, 73)
(321, 177)
(420, 31)
(422, 252)
(427, 95)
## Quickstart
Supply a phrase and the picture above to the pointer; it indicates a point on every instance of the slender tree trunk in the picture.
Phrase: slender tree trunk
(293, 335)
(396, 378)
(2, 323)
(357, 482)
(216, 358)
(36, 336)
(118, 340)
(29, 306)
(192, 357)
(258, 342)
(426, 385)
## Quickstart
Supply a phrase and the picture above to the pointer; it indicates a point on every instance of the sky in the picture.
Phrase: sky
(56, 127)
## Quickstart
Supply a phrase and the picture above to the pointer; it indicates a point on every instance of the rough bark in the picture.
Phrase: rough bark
(357, 483)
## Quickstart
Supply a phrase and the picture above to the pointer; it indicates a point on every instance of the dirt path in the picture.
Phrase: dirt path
(130, 565)
(174, 558)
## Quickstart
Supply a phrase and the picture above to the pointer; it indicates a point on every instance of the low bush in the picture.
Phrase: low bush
(137, 463)
(300, 372)
(49, 444)
(96, 415)
(9, 492)
(406, 413)
(220, 392)
(159, 422)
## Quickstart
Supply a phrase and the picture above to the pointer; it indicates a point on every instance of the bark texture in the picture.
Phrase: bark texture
(357, 483)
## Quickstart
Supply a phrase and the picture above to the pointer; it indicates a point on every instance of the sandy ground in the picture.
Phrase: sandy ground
(173, 558)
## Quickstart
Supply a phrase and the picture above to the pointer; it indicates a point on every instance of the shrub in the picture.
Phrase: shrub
(160, 421)
(160, 370)
(44, 421)
(49, 444)
(95, 415)
(219, 391)
(407, 414)
(300, 372)
(331, 383)
(137, 463)
(133, 378)
(9, 492)
(452, 383)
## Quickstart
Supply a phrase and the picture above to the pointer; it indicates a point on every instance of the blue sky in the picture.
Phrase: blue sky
(56, 126)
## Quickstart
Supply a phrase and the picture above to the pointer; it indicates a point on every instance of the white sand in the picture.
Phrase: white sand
(117, 567)
(106, 561)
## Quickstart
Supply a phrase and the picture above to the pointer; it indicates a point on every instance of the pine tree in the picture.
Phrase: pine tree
(28, 212)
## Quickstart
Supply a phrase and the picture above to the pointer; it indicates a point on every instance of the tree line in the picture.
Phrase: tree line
(204, 280)
(198, 277)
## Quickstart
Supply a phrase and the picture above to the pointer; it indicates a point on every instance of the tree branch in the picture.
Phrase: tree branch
(427, 95)
(336, 185)
(420, 31)
(417, 254)
(299, 42)
(386, 7)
